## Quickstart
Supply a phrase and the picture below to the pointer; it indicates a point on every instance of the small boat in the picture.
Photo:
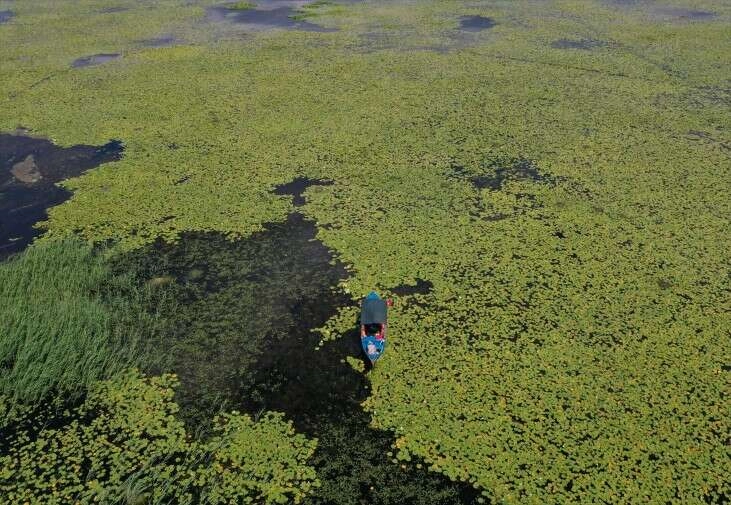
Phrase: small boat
(373, 316)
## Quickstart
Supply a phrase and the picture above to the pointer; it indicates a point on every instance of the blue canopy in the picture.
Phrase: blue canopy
(373, 310)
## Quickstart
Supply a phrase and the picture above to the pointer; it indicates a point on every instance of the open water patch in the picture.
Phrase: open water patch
(266, 15)
(29, 170)
(297, 186)
(241, 335)
(421, 287)
(6, 16)
(476, 23)
(95, 59)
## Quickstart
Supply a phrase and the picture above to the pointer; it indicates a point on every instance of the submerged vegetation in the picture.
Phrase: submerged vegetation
(554, 187)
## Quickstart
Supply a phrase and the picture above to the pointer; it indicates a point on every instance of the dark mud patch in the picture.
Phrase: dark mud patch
(476, 23)
(493, 174)
(94, 59)
(421, 287)
(29, 169)
(164, 41)
(298, 186)
(240, 336)
(6, 16)
(586, 44)
(257, 19)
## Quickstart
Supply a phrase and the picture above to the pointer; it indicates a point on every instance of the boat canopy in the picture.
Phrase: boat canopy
(373, 311)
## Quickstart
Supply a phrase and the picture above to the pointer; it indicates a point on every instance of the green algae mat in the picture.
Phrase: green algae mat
(557, 170)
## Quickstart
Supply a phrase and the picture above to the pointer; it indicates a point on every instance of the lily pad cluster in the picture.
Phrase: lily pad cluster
(125, 445)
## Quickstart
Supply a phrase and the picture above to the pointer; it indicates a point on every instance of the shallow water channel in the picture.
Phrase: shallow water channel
(240, 337)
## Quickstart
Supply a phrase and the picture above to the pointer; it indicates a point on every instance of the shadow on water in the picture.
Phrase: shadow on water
(240, 337)
(6, 16)
(29, 169)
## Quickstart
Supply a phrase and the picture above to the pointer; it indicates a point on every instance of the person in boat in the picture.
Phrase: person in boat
(373, 325)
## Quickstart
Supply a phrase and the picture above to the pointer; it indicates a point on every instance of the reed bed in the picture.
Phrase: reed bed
(67, 320)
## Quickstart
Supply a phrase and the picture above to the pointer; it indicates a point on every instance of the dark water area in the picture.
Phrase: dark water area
(586, 44)
(94, 59)
(476, 23)
(29, 169)
(263, 19)
(240, 337)
(421, 287)
(297, 187)
(6, 16)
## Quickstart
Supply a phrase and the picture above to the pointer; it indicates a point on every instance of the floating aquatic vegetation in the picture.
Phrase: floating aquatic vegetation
(29, 170)
(565, 369)
(124, 444)
(578, 44)
(494, 173)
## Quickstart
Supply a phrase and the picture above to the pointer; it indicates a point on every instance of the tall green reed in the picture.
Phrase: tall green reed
(67, 320)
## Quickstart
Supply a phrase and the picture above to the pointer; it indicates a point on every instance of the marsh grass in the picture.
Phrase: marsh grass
(67, 321)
